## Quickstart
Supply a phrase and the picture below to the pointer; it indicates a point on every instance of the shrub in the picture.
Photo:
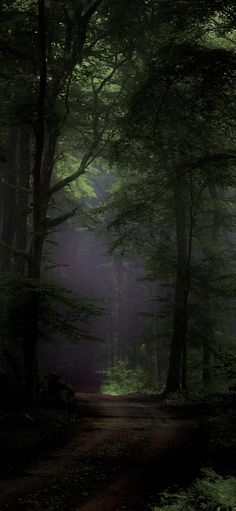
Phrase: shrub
(210, 492)
(122, 380)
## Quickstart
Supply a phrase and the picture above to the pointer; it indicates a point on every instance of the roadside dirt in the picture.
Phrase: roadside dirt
(122, 454)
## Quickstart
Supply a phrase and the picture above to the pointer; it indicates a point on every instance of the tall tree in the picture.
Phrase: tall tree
(174, 139)
(53, 47)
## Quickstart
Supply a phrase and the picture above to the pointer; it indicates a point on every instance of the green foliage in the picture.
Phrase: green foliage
(149, 85)
(61, 313)
(122, 380)
(82, 187)
(210, 492)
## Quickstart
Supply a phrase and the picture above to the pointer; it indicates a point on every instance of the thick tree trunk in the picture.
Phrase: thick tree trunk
(209, 340)
(31, 337)
(2, 170)
(159, 362)
(178, 343)
(39, 214)
(9, 200)
(46, 136)
(30, 349)
(22, 198)
(151, 365)
(131, 297)
(206, 363)
(32, 328)
(184, 362)
(120, 311)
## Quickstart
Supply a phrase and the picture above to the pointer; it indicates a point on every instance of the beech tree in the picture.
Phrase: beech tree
(148, 85)
(53, 76)
(175, 143)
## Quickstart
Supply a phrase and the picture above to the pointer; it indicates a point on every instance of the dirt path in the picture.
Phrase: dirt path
(123, 453)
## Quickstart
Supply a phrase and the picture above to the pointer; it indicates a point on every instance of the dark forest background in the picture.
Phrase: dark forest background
(118, 196)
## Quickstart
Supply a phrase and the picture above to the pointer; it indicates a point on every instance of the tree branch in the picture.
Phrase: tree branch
(14, 251)
(91, 10)
(62, 218)
(81, 170)
(91, 153)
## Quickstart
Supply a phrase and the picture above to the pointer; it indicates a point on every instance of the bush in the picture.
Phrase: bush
(210, 492)
(121, 380)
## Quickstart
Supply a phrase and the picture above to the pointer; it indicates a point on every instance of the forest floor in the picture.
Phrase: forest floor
(121, 455)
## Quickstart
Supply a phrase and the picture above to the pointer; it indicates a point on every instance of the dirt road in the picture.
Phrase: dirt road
(122, 455)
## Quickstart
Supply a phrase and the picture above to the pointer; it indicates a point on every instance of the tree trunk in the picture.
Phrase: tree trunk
(46, 136)
(39, 214)
(30, 350)
(184, 363)
(206, 363)
(9, 200)
(120, 311)
(174, 378)
(151, 365)
(131, 297)
(209, 338)
(22, 198)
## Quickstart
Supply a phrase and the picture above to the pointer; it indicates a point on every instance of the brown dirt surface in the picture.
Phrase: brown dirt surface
(123, 452)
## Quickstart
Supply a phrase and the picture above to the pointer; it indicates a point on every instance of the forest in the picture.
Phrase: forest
(117, 254)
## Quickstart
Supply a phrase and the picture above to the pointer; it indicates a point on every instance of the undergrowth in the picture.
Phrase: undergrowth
(210, 492)
(122, 380)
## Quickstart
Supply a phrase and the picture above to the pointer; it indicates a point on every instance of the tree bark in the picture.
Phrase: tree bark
(34, 268)
(46, 137)
(120, 312)
(151, 364)
(174, 378)
(209, 338)
(206, 363)
(9, 200)
(22, 198)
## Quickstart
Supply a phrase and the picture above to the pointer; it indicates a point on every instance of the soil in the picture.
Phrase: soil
(123, 453)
